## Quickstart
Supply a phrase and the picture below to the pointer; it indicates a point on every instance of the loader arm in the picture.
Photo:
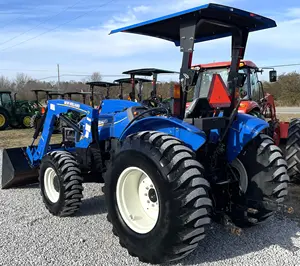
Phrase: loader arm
(55, 109)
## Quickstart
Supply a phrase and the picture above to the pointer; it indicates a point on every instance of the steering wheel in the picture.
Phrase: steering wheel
(152, 102)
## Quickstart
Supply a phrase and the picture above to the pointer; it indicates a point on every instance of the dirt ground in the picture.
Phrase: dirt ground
(287, 117)
(12, 138)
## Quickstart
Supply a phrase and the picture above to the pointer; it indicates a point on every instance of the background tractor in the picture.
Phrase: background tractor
(255, 101)
(146, 72)
(40, 106)
(37, 117)
(101, 84)
(83, 95)
(14, 113)
(165, 174)
(135, 81)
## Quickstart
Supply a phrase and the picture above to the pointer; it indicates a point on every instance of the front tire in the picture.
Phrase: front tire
(178, 200)
(61, 183)
(267, 178)
(26, 121)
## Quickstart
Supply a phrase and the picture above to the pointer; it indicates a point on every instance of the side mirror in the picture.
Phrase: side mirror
(241, 79)
(273, 76)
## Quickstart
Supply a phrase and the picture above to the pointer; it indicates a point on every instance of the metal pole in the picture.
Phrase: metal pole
(58, 78)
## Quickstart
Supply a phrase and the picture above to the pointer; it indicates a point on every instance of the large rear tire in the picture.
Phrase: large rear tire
(293, 150)
(172, 187)
(61, 183)
(266, 172)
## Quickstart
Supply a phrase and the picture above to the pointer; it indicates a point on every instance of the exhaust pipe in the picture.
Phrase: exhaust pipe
(16, 171)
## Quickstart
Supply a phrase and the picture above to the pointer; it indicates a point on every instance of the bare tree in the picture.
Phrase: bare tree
(5, 83)
(96, 76)
(21, 80)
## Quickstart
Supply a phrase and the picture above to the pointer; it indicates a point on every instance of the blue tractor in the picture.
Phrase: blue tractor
(165, 174)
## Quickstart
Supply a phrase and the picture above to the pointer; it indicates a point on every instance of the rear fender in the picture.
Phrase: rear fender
(242, 131)
(187, 133)
(247, 106)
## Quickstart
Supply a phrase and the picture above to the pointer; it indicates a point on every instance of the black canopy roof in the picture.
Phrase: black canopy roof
(148, 71)
(101, 84)
(56, 93)
(78, 92)
(128, 80)
(221, 17)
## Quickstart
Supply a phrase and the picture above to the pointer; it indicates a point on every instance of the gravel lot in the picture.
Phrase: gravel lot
(29, 235)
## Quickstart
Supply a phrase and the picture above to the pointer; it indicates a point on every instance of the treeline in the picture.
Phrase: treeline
(23, 85)
(286, 90)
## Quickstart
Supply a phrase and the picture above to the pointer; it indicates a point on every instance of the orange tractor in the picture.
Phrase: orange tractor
(257, 102)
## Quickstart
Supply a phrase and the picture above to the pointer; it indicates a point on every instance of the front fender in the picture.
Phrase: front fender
(242, 131)
(187, 133)
(115, 105)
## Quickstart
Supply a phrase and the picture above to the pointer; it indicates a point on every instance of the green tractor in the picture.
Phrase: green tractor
(14, 113)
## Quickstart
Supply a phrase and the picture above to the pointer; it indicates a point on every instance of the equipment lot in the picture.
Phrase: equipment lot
(30, 235)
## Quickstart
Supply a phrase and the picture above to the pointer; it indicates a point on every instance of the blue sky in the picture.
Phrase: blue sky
(84, 46)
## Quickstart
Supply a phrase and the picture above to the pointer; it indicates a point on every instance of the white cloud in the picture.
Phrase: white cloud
(141, 9)
(185, 4)
(293, 12)
(284, 36)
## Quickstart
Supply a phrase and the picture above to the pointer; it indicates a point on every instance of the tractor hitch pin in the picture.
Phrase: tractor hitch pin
(252, 211)
(231, 227)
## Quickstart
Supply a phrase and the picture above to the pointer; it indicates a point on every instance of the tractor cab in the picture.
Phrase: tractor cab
(251, 91)
(133, 81)
(101, 84)
(147, 72)
(6, 100)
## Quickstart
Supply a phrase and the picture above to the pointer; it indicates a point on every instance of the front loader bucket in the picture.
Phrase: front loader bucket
(16, 170)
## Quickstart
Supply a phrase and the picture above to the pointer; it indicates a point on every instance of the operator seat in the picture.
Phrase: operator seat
(198, 108)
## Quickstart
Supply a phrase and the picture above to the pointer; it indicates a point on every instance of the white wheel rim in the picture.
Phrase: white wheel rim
(137, 200)
(243, 176)
(51, 192)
